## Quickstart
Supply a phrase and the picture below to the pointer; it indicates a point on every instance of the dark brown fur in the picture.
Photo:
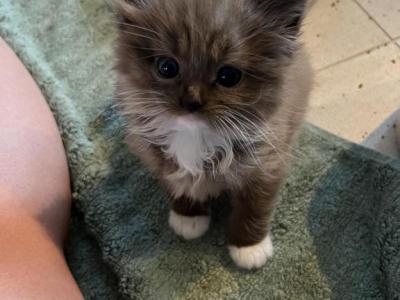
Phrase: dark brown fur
(259, 38)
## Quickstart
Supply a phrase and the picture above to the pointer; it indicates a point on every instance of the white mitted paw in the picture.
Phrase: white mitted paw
(188, 227)
(252, 256)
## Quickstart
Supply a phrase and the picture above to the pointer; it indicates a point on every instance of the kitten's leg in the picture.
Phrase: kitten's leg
(249, 240)
(189, 219)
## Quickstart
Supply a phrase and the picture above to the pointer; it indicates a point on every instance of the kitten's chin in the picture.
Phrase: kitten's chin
(190, 121)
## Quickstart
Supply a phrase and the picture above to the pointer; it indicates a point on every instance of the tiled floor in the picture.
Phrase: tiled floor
(355, 50)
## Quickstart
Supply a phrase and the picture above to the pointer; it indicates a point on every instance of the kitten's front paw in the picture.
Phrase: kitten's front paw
(188, 227)
(252, 256)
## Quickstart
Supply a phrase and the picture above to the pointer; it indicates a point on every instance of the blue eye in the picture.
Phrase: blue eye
(229, 76)
(167, 67)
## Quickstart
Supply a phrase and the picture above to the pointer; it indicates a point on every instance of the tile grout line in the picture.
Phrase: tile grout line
(373, 19)
(390, 41)
(396, 41)
(344, 60)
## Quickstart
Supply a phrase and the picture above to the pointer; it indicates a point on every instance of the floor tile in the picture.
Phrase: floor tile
(386, 13)
(336, 30)
(353, 98)
(386, 138)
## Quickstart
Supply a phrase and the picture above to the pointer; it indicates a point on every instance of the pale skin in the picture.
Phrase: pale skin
(35, 195)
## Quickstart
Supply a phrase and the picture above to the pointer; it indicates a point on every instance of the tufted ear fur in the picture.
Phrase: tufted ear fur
(285, 16)
(125, 9)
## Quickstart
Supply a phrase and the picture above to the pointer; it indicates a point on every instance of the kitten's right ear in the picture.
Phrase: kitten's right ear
(285, 15)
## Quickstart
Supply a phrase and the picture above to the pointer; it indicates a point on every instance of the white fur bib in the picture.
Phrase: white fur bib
(192, 144)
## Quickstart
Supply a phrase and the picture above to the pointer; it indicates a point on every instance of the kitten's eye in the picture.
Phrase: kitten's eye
(167, 67)
(229, 76)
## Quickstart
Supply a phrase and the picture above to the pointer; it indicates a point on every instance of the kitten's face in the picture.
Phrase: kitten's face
(216, 61)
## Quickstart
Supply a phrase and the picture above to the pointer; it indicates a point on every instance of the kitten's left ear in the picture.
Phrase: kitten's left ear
(125, 9)
(284, 15)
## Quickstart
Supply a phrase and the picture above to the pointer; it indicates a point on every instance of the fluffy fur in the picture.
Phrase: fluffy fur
(188, 227)
(253, 256)
(239, 141)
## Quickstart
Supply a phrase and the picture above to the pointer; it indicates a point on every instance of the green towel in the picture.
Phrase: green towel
(336, 228)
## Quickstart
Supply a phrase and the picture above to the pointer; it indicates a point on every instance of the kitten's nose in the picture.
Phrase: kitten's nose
(190, 105)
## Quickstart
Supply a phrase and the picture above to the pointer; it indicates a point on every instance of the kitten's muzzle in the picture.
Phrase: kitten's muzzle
(191, 105)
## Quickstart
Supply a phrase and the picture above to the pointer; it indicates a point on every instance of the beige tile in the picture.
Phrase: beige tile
(352, 98)
(386, 13)
(386, 138)
(335, 30)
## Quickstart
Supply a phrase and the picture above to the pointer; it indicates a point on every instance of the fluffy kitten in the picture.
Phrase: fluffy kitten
(213, 92)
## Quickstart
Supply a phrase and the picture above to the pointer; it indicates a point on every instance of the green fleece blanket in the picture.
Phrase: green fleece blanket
(336, 228)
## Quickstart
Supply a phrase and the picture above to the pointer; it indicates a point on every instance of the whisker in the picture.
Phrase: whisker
(142, 36)
(138, 27)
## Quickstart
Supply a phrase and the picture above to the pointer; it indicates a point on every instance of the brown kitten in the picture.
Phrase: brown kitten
(213, 92)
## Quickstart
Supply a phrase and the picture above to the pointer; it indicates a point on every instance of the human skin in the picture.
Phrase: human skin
(35, 195)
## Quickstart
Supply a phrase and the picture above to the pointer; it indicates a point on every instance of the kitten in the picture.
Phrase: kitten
(213, 93)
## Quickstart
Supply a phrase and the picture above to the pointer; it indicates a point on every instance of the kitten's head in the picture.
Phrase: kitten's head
(219, 61)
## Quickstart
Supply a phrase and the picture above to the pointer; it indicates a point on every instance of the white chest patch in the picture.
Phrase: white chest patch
(192, 144)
